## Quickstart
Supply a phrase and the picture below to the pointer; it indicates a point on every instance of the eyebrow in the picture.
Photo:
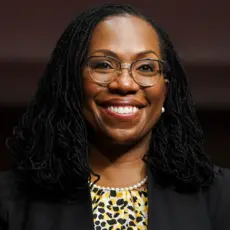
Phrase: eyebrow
(147, 52)
(113, 54)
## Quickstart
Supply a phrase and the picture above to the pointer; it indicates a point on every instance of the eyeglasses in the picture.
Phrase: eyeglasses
(145, 72)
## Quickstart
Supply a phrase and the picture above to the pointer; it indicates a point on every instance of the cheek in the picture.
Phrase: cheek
(90, 89)
(90, 92)
(156, 94)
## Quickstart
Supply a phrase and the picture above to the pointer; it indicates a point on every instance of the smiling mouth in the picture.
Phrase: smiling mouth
(123, 110)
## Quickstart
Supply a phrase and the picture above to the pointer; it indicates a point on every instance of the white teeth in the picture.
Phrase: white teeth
(134, 109)
(123, 109)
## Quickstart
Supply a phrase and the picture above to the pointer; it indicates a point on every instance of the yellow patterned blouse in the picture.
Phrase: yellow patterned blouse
(117, 210)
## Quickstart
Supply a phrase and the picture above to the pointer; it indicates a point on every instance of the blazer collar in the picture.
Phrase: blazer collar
(84, 218)
(167, 210)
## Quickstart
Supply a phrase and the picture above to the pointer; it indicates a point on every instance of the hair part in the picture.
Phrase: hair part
(50, 142)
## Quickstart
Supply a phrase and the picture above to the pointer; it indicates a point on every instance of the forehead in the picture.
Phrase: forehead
(125, 36)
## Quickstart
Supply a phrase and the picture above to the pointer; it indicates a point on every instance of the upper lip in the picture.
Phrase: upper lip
(123, 102)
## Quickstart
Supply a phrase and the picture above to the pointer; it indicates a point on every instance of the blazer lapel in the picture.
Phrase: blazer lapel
(170, 210)
(159, 217)
(54, 216)
(80, 214)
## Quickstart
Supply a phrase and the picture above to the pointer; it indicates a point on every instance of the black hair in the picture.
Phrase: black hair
(50, 142)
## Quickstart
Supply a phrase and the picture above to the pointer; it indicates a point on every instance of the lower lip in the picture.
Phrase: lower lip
(127, 116)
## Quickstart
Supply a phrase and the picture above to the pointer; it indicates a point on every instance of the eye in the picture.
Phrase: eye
(147, 68)
(103, 65)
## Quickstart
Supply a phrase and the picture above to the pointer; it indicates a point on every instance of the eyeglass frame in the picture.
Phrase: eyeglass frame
(128, 66)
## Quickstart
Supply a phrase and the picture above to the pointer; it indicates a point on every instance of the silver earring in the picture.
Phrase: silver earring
(163, 110)
(166, 81)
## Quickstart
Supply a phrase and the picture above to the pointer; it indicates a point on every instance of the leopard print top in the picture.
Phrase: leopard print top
(114, 210)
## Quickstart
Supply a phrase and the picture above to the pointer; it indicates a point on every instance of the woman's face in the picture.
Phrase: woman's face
(123, 111)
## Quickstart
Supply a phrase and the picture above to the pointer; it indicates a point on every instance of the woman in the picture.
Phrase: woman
(111, 139)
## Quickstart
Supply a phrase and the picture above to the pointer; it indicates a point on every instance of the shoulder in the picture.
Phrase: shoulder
(7, 185)
(221, 178)
(221, 183)
(7, 192)
(219, 199)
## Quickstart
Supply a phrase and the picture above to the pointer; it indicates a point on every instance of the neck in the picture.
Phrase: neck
(119, 165)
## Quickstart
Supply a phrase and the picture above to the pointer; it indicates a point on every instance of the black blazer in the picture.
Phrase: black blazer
(168, 210)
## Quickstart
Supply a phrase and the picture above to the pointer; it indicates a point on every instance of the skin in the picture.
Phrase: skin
(117, 146)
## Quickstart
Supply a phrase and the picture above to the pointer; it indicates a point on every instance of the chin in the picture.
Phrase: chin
(124, 138)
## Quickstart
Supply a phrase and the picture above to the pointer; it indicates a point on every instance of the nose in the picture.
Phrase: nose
(123, 83)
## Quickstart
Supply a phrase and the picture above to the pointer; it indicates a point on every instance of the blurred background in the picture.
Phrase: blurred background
(199, 29)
